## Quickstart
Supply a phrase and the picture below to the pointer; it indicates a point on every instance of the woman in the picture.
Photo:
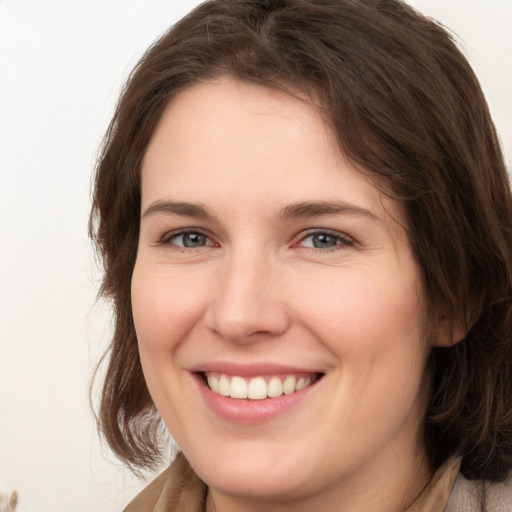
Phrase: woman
(304, 217)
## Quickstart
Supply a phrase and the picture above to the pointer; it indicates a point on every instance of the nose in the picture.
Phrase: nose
(248, 302)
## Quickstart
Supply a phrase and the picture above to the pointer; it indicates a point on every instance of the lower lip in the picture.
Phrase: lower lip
(251, 411)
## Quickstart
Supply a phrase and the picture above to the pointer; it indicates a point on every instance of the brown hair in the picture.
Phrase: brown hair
(406, 106)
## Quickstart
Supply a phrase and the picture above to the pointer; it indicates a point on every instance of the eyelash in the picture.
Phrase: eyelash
(341, 241)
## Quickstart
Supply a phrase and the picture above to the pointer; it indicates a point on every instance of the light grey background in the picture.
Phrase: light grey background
(62, 64)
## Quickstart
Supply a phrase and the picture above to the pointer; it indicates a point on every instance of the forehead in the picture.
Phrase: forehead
(228, 116)
(231, 142)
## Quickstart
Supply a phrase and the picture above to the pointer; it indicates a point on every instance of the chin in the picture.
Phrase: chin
(258, 477)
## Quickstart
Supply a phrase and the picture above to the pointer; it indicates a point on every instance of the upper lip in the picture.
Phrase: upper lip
(250, 370)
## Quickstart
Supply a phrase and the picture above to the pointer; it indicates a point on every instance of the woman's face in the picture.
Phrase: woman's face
(269, 266)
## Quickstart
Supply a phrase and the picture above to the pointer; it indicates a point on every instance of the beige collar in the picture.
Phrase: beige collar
(435, 496)
(177, 489)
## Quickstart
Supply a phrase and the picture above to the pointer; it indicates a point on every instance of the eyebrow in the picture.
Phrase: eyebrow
(178, 208)
(314, 209)
(305, 209)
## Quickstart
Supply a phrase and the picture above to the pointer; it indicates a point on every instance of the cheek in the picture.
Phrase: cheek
(373, 328)
(165, 311)
(372, 325)
(165, 307)
(363, 304)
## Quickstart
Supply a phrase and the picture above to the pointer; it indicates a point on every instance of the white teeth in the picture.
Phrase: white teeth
(275, 387)
(213, 382)
(224, 386)
(289, 385)
(256, 388)
(301, 384)
(238, 388)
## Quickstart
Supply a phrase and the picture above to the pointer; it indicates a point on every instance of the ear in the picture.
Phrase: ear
(452, 330)
(449, 332)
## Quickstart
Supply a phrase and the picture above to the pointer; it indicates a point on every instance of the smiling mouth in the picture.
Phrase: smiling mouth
(260, 387)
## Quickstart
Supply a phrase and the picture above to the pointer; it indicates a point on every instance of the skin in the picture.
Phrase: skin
(258, 288)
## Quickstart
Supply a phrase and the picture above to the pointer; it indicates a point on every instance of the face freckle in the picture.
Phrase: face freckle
(265, 258)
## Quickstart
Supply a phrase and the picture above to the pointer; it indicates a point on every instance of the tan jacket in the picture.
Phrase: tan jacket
(179, 489)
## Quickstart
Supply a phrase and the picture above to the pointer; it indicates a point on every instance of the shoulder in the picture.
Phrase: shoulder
(467, 494)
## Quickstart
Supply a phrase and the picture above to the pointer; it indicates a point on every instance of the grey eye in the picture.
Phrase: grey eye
(191, 240)
(321, 241)
(324, 240)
